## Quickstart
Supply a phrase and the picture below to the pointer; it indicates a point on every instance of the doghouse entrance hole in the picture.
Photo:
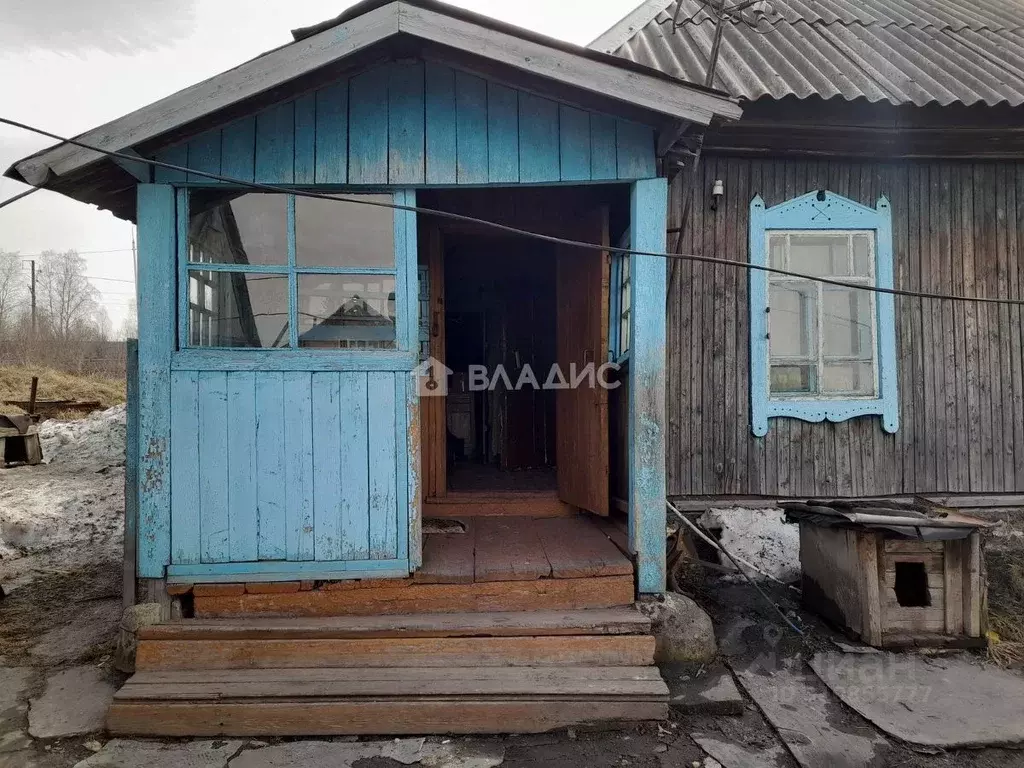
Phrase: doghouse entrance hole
(912, 585)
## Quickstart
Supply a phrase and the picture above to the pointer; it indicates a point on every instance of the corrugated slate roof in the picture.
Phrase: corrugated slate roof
(901, 51)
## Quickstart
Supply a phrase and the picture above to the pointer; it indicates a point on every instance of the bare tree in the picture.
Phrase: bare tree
(67, 301)
(12, 289)
(130, 324)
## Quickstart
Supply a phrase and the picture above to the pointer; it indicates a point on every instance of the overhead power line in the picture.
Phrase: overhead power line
(282, 189)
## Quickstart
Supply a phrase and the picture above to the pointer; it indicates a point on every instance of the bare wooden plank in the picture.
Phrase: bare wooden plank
(447, 559)
(871, 611)
(318, 718)
(577, 550)
(972, 590)
(607, 621)
(532, 507)
(539, 594)
(388, 675)
(448, 652)
(508, 550)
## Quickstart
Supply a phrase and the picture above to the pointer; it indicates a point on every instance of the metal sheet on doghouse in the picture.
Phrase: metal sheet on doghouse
(948, 702)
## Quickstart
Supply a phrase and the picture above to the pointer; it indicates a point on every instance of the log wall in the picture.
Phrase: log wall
(958, 228)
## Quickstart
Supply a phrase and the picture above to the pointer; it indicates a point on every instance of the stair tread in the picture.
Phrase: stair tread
(500, 683)
(607, 621)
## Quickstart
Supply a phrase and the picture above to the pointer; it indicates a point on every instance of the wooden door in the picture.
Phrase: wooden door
(432, 409)
(581, 412)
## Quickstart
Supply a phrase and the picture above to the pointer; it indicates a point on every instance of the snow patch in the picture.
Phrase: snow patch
(75, 501)
(759, 536)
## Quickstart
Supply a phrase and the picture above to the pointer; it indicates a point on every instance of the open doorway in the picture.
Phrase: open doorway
(505, 314)
(500, 321)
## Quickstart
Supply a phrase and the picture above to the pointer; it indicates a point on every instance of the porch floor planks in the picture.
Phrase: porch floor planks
(507, 549)
(448, 558)
(577, 551)
(498, 564)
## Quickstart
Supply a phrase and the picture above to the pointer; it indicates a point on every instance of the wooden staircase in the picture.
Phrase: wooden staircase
(515, 672)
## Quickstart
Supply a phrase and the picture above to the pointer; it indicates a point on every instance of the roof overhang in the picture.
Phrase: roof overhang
(363, 27)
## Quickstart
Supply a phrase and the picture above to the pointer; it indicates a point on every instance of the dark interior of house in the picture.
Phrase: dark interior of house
(500, 315)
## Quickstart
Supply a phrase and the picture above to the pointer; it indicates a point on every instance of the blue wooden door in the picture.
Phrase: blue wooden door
(293, 404)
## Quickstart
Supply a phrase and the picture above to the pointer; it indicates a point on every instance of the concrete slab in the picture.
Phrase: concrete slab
(948, 702)
(94, 625)
(733, 755)
(696, 689)
(812, 724)
(327, 754)
(129, 753)
(14, 682)
(75, 702)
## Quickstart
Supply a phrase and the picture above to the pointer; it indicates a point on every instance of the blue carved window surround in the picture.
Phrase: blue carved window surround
(816, 213)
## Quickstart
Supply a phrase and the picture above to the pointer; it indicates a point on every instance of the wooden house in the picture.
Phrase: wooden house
(285, 459)
(880, 142)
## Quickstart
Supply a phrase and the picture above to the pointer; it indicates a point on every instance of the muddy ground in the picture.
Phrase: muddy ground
(67, 615)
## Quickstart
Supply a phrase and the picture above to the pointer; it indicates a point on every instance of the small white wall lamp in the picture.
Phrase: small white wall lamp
(717, 193)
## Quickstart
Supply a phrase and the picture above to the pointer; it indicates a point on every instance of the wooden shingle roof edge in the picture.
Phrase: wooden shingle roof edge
(380, 20)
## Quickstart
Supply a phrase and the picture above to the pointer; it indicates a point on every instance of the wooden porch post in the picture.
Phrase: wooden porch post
(647, 385)
(157, 263)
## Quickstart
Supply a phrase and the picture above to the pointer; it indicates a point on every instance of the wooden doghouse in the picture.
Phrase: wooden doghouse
(893, 575)
(19, 441)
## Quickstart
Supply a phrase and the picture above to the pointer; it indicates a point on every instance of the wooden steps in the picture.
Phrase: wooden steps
(395, 701)
(405, 597)
(442, 673)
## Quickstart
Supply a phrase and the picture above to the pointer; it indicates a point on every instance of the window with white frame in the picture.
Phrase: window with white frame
(821, 351)
(821, 337)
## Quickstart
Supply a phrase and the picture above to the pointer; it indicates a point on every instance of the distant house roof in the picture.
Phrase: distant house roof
(901, 51)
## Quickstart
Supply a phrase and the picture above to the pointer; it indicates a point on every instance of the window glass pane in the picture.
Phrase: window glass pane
(777, 251)
(347, 311)
(862, 266)
(235, 309)
(793, 319)
(331, 233)
(819, 254)
(251, 229)
(793, 379)
(848, 319)
(849, 378)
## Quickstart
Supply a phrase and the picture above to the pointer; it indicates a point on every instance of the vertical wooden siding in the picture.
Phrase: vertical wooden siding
(958, 228)
(416, 123)
(257, 477)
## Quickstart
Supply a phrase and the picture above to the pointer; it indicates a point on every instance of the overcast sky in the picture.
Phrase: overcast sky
(71, 65)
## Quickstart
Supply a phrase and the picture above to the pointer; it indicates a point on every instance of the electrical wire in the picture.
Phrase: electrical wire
(282, 189)
(20, 196)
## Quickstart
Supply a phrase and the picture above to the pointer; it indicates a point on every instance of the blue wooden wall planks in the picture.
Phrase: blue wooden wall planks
(185, 501)
(647, 384)
(368, 135)
(355, 472)
(332, 134)
(415, 123)
(539, 140)
(157, 227)
(383, 453)
(272, 491)
(298, 453)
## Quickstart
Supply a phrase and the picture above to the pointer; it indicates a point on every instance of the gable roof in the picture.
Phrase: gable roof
(370, 23)
(901, 51)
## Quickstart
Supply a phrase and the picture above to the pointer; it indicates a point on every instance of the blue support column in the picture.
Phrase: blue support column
(647, 385)
(156, 284)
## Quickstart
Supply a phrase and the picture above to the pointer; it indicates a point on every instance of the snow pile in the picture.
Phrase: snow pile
(759, 536)
(97, 440)
(75, 501)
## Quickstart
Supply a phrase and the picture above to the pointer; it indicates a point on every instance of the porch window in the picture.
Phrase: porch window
(271, 271)
(822, 351)
(621, 309)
